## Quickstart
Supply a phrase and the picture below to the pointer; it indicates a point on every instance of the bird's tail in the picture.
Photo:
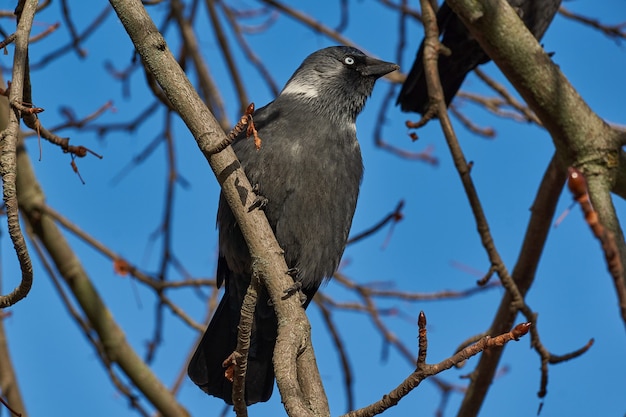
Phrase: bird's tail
(220, 341)
(413, 96)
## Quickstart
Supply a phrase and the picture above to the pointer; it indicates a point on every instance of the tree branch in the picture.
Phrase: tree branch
(293, 326)
(111, 335)
(25, 13)
(424, 370)
(581, 138)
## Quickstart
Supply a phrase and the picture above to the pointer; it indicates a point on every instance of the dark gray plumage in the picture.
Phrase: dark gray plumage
(309, 168)
(466, 52)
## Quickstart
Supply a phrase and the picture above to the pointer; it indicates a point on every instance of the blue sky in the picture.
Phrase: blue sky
(58, 370)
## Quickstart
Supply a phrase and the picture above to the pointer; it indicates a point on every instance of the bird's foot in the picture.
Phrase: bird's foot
(431, 113)
(229, 365)
(259, 202)
(295, 288)
(297, 285)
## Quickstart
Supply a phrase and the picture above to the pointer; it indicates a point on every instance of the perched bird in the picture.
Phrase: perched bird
(309, 169)
(466, 52)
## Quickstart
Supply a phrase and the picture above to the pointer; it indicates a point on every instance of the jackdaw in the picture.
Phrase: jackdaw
(466, 52)
(309, 169)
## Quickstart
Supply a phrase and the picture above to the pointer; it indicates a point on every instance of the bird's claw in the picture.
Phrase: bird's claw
(259, 201)
(297, 285)
(292, 289)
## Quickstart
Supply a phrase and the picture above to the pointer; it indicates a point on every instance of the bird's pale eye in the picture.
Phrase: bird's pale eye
(348, 60)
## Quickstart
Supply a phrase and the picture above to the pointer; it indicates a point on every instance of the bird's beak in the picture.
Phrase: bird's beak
(376, 67)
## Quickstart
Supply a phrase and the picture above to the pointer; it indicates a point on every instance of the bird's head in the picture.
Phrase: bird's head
(336, 80)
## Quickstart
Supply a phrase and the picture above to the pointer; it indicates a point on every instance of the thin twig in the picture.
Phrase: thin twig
(615, 32)
(424, 370)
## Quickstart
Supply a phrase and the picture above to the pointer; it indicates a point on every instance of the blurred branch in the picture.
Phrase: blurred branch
(615, 32)
(344, 357)
(496, 105)
(88, 330)
(123, 267)
(208, 88)
(9, 389)
(69, 23)
(129, 126)
(394, 217)
(508, 98)
(486, 132)
(227, 54)
(165, 229)
(59, 52)
(319, 27)
(247, 50)
(370, 291)
(310, 22)
(427, 154)
(111, 336)
(404, 9)
(73, 122)
(368, 306)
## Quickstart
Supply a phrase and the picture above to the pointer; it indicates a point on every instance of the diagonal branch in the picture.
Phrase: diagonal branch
(112, 338)
(542, 213)
(293, 341)
(424, 370)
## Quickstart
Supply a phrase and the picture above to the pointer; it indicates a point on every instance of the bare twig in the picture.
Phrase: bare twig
(424, 370)
(227, 53)
(578, 186)
(247, 50)
(326, 310)
(89, 30)
(69, 23)
(615, 32)
(393, 217)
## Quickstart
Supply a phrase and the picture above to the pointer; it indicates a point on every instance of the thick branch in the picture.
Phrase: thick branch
(293, 326)
(581, 137)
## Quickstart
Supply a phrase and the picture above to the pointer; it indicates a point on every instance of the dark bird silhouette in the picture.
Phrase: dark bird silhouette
(466, 52)
(309, 169)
